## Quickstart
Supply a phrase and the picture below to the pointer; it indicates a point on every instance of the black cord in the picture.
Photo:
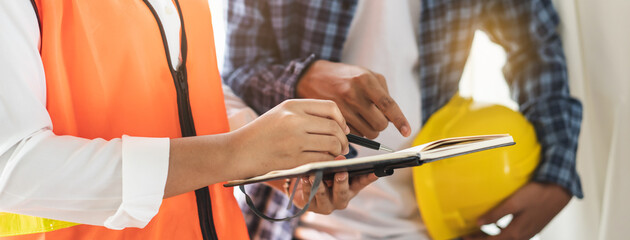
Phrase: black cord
(318, 179)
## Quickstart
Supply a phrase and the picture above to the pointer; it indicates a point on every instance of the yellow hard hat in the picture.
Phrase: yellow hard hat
(453, 193)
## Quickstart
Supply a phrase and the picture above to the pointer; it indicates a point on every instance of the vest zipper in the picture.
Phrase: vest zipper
(186, 122)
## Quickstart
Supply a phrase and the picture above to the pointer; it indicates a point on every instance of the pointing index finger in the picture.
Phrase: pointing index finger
(389, 107)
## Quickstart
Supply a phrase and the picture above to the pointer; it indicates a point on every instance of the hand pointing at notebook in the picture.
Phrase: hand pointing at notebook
(362, 96)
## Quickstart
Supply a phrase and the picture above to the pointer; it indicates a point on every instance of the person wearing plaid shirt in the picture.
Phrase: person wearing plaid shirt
(273, 44)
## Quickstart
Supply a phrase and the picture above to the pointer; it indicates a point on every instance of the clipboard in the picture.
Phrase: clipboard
(385, 164)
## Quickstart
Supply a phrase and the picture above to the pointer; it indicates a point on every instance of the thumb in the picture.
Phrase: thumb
(506, 207)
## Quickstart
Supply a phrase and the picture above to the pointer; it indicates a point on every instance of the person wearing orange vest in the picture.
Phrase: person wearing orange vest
(95, 97)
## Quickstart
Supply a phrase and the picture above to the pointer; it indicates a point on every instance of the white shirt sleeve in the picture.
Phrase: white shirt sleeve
(117, 183)
(238, 113)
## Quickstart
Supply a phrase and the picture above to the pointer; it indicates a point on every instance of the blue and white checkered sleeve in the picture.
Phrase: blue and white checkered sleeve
(252, 66)
(272, 203)
(537, 72)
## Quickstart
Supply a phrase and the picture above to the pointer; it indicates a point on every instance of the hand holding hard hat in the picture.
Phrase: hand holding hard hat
(532, 207)
(456, 195)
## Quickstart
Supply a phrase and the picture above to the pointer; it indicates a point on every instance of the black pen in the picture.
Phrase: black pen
(368, 143)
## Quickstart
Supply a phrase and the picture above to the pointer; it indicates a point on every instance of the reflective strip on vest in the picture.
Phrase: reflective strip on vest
(16, 224)
(107, 75)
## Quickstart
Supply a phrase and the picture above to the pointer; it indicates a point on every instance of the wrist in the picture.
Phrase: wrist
(308, 65)
(239, 150)
(303, 84)
(220, 157)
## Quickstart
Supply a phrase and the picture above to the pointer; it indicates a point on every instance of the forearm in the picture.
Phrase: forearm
(293, 133)
(558, 134)
(543, 93)
(195, 162)
(537, 72)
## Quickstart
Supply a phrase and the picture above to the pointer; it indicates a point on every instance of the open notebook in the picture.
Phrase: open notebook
(384, 165)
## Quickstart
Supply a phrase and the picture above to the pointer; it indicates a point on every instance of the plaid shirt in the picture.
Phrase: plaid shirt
(271, 43)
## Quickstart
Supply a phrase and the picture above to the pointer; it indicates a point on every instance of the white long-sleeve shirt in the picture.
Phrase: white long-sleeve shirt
(91, 181)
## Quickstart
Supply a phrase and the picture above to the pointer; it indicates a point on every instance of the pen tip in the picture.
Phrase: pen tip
(385, 148)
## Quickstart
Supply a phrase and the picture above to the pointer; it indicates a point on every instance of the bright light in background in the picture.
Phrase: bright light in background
(483, 78)
(218, 25)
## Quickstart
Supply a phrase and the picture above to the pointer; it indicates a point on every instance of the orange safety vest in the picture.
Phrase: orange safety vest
(108, 73)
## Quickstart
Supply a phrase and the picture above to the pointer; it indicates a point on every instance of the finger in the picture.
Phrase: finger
(327, 109)
(356, 121)
(327, 183)
(389, 107)
(341, 191)
(355, 131)
(506, 207)
(361, 127)
(381, 81)
(325, 126)
(323, 143)
(517, 229)
(306, 193)
(368, 111)
(323, 199)
(360, 182)
(373, 116)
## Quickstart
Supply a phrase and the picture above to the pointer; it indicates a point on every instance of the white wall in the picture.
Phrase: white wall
(598, 50)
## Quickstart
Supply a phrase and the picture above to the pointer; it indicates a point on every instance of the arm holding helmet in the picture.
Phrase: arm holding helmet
(537, 75)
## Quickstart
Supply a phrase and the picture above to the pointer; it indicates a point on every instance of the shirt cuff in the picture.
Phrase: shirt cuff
(296, 70)
(558, 166)
(144, 171)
